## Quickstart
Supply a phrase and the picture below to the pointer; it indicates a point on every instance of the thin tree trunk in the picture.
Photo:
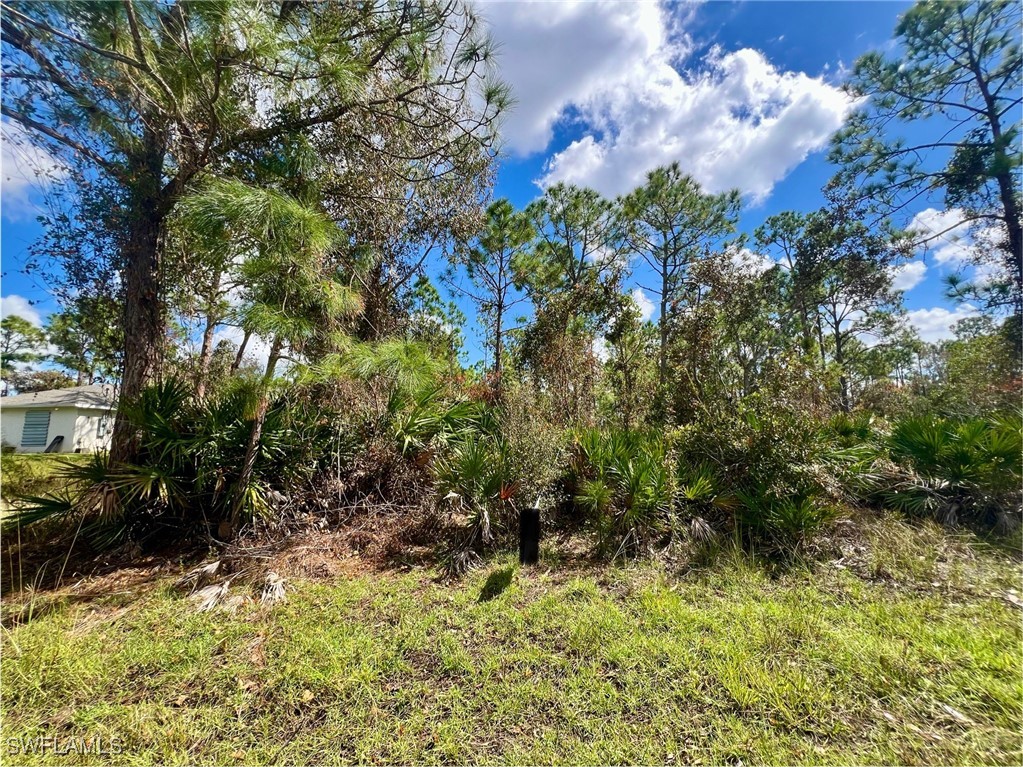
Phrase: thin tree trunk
(375, 322)
(498, 350)
(820, 343)
(500, 294)
(662, 361)
(1015, 232)
(629, 386)
(1006, 191)
(205, 355)
(252, 450)
(241, 351)
(845, 401)
(843, 379)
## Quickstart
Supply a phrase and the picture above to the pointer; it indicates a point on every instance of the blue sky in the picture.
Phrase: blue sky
(740, 94)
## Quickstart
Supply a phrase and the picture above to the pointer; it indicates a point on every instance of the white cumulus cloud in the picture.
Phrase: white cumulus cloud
(907, 276)
(946, 233)
(618, 69)
(646, 306)
(24, 169)
(751, 262)
(936, 324)
(20, 306)
(561, 55)
(739, 124)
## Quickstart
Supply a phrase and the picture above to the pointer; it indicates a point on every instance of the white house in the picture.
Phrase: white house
(82, 417)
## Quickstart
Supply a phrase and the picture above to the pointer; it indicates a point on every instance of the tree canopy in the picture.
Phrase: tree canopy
(956, 77)
(150, 96)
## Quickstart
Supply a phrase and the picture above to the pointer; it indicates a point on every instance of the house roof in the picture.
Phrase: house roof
(101, 396)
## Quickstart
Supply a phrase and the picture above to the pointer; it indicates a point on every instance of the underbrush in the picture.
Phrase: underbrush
(965, 471)
(24, 474)
(185, 481)
(455, 468)
(753, 475)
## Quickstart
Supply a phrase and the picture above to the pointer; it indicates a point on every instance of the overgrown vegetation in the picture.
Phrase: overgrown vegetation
(777, 385)
(779, 525)
(27, 474)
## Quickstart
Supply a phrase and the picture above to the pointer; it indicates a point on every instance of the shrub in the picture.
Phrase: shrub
(473, 481)
(189, 459)
(783, 522)
(849, 430)
(756, 471)
(767, 461)
(950, 470)
(704, 507)
(536, 445)
(425, 420)
(953, 469)
(622, 483)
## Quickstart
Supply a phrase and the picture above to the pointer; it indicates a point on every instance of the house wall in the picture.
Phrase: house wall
(87, 431)
(79, 426)
(12, 421)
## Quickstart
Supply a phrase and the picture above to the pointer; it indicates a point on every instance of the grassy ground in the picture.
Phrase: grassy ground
(902, 658)
(32, 473)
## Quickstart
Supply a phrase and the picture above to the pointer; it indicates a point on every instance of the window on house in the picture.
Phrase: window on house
(101, 428)
(36, 428)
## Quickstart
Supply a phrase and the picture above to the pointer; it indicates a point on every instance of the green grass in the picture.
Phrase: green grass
(31, 473)
(511, 666)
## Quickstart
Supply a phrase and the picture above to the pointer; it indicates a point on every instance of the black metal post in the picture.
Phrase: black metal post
(529, 536)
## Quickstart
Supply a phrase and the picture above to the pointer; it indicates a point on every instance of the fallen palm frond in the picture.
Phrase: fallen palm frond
(198, 577)
(210, 597)
(273, 589)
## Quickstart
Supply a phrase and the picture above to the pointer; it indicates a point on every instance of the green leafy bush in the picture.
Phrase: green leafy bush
(849, 430)
(767, 461)
(956, 469)
(537, 447)
(189, 459)
(623, 483)
(473, 481)
(786, 522)
(426, 420)
(951, 470)
(757, 472)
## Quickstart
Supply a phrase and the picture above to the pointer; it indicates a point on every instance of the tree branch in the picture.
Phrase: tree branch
(110, 167)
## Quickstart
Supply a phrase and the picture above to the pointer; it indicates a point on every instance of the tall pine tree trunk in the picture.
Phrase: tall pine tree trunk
(498, 350)
(1006, 188)
(144, 327)
(144, 324)
(144, 316)
(661, 396)
(845, 400)
(662, 361)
